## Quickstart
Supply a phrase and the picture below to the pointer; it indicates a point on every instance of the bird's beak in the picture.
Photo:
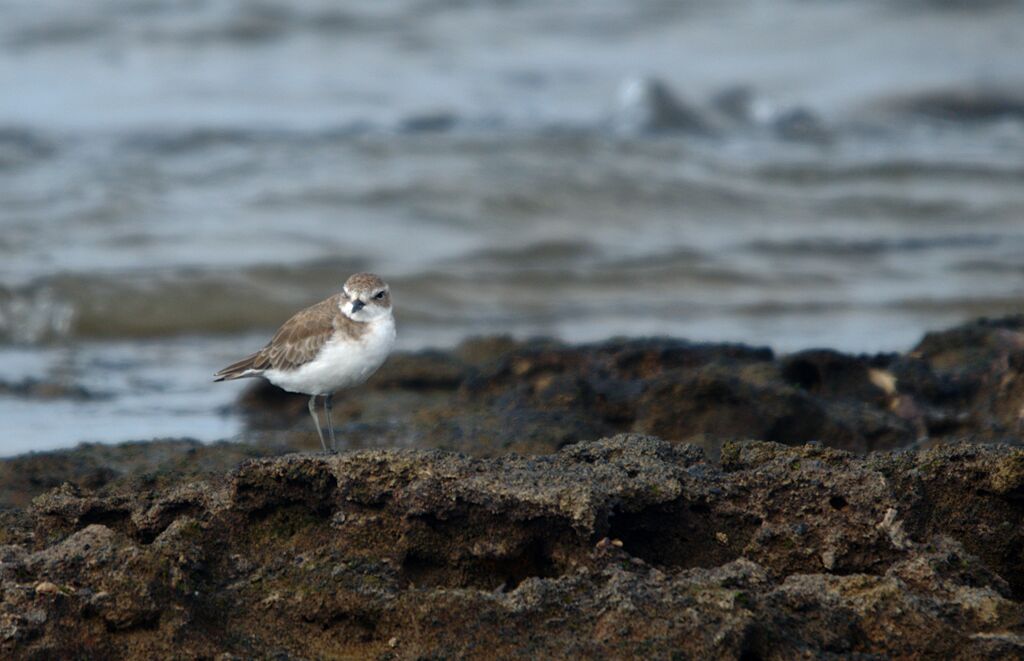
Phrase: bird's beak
(357, 305)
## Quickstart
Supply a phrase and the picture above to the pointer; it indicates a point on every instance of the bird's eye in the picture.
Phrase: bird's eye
(379, 295)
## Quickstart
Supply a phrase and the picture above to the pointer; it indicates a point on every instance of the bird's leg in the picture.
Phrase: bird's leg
(328, 405)
(316, 421)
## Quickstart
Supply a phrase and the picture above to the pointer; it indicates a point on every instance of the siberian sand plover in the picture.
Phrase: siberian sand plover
(337, 343)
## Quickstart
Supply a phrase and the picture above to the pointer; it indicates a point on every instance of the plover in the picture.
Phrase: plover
(337, 343)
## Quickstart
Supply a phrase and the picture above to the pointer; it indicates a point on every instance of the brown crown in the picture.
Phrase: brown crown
(362, 283)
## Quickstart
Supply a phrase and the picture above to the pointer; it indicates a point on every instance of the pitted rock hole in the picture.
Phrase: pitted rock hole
(498, 573)
(802, 373)
(317, 494)
(471, 549)
(681, 534)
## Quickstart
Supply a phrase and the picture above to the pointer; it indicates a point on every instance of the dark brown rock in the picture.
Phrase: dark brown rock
(624, 547)
(92, 465)
(492, 396)
(610, 549)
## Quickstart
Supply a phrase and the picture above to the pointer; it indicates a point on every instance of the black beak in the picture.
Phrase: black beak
(357, 305)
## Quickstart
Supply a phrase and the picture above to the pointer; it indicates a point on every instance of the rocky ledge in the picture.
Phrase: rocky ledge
(492, 396)
(859, 525)
(627, 547)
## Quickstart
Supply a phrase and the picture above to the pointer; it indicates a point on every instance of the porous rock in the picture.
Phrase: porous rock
(490, 397)
(624, 547)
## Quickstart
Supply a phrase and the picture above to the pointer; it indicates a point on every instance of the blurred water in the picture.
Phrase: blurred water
(176, 178)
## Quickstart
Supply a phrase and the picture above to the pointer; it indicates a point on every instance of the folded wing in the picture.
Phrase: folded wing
(297, 342)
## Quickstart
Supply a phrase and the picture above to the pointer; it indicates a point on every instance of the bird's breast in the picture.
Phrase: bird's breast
(342, 362)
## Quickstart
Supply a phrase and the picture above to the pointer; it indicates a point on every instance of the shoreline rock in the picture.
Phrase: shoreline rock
(492, 396)
(539, 541)
(608, 549)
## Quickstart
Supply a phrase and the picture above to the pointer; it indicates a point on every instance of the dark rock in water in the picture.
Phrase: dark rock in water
(741, 105)
(968, 381)
(429, 122)
(39, 389)
(534, 397)
(609, 549)
(738, 103)
(492, 396)
(648, 105)
(961, 105)
(833, 375)
(800, 124)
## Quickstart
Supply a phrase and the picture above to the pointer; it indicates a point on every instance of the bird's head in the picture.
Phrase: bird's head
(368, 296)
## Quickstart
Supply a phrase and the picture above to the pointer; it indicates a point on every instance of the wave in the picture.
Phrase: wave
(228, 22)
(34, 314)
(855, 248)
(529, 287)
(22, 147)
(153, 304)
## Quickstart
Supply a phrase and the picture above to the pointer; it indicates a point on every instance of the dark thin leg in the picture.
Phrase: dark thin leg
(328, 405)
(316, 421)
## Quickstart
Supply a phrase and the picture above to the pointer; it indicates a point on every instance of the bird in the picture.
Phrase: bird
(336, 343)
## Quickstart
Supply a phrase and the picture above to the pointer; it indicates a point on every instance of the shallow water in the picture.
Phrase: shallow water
(177, 178)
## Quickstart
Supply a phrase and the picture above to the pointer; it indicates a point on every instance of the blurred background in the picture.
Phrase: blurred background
(178, 177)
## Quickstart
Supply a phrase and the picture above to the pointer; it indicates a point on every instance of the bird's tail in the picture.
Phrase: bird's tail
(243, 368)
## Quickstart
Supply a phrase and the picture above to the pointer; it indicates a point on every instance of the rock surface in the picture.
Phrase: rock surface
(93, 465)
(621, 548)
(492, 396)
(701, 545)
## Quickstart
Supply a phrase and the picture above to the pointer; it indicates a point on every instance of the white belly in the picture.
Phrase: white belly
(341, 363)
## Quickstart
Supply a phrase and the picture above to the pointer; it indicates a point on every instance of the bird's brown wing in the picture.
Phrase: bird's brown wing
(297, 341)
